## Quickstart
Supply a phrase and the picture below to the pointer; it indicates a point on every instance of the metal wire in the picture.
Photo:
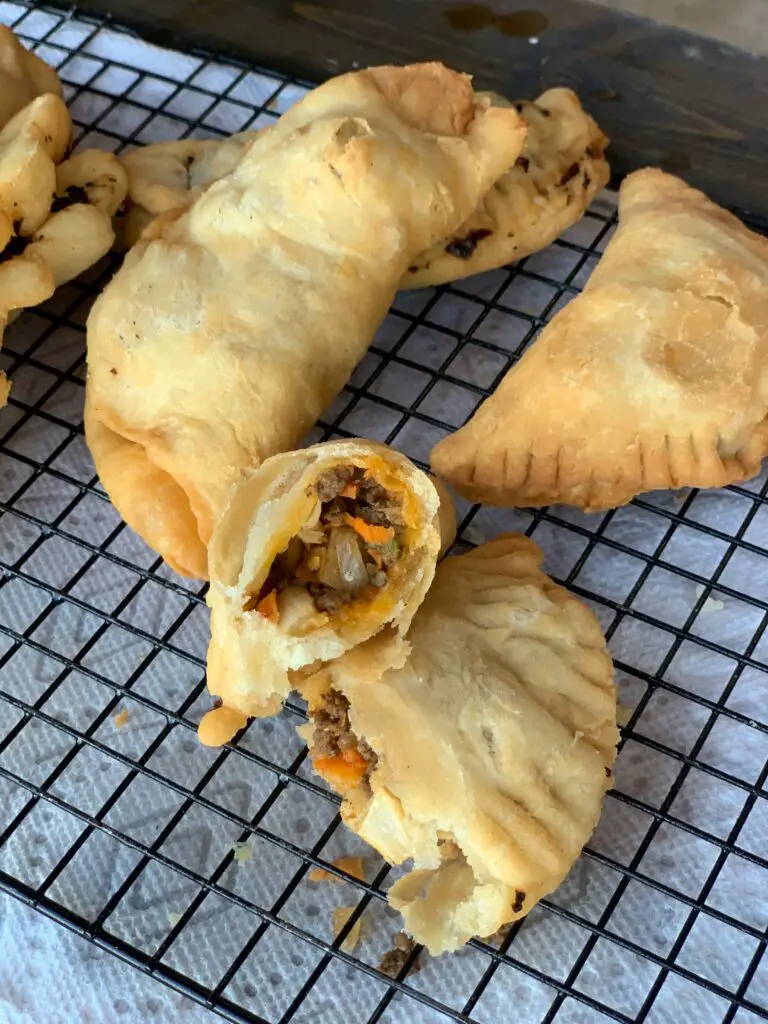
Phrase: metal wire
(439, 354)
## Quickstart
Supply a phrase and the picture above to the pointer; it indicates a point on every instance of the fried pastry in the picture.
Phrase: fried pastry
(23, 76)
(170, 175)
(655, 377)
(232, 325)
(315, 553)
(484, 754)
(560, 170)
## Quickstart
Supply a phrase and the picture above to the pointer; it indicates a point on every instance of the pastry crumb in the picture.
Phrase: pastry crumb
(242, 851)
(712, 604)
(623, 714)
(394, 960)
(352, 865)
(173, 918)
(121, 718)
(339, 918)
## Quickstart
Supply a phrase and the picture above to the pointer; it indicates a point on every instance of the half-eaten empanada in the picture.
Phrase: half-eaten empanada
(655, 377)
(560, 170)
(232, 325)
(484, 754)
(23, 76)
(316, 552)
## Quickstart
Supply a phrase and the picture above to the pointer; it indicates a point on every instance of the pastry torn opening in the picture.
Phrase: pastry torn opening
(347, 552)
(341, 757)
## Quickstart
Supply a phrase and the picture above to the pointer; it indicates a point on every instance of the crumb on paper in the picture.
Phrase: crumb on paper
(304, 732)
(339, 918)
(173, 918)
(712, 604)
(121, 718)
(623, 714)
(394, 960)
(242, 851)
(352, 865)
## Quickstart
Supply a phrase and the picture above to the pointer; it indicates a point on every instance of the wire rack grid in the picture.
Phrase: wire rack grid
(195, 865)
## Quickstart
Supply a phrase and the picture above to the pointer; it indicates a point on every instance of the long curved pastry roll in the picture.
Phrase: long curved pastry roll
(316, 552)
(227, 333)
(560, 170)
(655, 377)
(23, 76)
(483, 755)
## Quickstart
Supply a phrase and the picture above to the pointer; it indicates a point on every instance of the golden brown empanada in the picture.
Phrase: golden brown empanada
(316, 552)
(557, 175)
(55, 222)
(483, 755)
(168, 175)
(231, 326)
(655, 377)
(23, 76)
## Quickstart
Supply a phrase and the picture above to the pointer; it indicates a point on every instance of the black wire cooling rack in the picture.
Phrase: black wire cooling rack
(195, 865)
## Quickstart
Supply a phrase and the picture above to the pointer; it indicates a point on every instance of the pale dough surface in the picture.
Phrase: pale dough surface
(495, 740)
(656, 376)
(232, 325)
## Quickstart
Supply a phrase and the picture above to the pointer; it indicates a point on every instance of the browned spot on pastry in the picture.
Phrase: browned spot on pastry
(72, 194)
(462, 248)
(543, 110)
(590, 151)
(587, 179)
(524, 162)
(608, 772)
(113, 371)
(412, 270)
(217, 702)
(517, 906)
(15, 247)
(571, 173)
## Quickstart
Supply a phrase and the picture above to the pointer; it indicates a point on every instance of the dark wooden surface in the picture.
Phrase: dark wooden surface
(691, 105)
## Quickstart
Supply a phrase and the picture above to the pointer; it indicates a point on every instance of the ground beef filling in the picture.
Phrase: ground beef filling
(345, 759)
(347, 553)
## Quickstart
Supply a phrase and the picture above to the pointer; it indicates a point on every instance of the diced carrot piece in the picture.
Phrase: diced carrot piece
(340, 773)
(351, 489)
(267, 607)
(353, 756)
(370, 533)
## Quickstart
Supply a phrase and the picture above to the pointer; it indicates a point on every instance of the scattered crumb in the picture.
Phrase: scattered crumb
(339, 918)
(623, 714)
(304, 732)
(243, 852)
(173, 918)
(121, 718)
(352, 865)
(393, 961)
(712, 604)
(473, 535)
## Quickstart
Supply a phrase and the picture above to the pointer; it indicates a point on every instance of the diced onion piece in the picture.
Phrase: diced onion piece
(343, 567)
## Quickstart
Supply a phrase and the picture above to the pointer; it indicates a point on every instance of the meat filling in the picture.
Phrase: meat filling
(346, 550)
(340, 756)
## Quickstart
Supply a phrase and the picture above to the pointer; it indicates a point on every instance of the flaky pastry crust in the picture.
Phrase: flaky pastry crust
(494, 740)
(250, 657)
(232, 325)
(655, 377)
(23, 76)
(560, 170)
